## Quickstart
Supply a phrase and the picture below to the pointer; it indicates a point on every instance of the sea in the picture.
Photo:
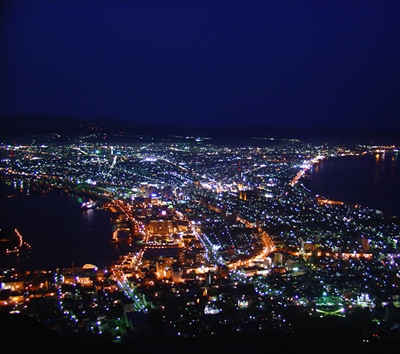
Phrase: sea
(371, 180)
(60, 233)
(63, 235)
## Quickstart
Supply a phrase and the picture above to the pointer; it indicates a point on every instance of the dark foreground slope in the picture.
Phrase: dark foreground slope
(312, 335)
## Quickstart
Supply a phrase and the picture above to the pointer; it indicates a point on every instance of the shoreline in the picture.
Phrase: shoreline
(308, 181)
(89, 230)
(45, 189)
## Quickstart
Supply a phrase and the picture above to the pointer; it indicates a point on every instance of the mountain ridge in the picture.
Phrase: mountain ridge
(28, 124)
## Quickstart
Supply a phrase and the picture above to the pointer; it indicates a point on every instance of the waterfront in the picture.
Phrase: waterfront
(59, 231)
(372, 180)
(198, 229)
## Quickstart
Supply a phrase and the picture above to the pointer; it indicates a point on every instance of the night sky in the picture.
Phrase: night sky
(285, 63)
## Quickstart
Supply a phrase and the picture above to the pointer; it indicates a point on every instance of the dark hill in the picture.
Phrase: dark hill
(31, 124)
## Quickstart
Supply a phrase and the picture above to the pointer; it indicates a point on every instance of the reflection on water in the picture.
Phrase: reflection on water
(369, 180)
(59, 231)
(89, 216)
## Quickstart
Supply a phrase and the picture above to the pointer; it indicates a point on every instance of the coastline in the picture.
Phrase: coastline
(369, 180)
(55, 222)
(43, 188)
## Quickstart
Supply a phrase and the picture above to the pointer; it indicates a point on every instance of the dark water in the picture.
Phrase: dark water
(370, 180)
(59, 231)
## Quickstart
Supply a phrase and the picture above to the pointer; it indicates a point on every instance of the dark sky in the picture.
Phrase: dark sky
(329, 63)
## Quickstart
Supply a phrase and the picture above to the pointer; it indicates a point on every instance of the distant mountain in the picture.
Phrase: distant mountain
(21, 124)
(28, 124)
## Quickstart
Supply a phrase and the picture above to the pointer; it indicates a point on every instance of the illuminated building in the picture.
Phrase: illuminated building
(181, 257)
(177, 275)
(364, 243)
(85, 276)
(163, 268)
(160, 227)
(13, 285)
(278, 258)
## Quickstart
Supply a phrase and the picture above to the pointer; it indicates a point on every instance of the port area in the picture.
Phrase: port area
(124, 228)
